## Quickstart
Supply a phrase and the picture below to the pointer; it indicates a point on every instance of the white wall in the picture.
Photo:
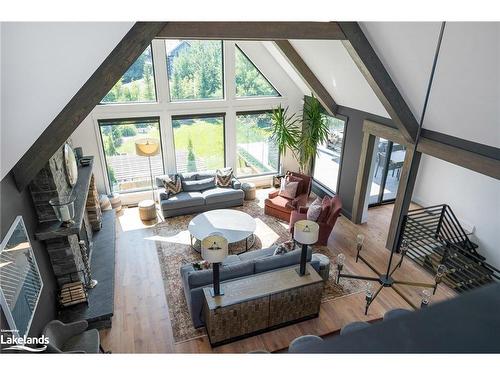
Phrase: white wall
(86, 135)
(473, 197)
(43, 65)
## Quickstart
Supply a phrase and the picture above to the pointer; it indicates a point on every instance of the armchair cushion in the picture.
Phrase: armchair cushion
(273, 194)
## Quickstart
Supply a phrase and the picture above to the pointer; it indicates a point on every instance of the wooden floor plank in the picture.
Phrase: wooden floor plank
(141, 323)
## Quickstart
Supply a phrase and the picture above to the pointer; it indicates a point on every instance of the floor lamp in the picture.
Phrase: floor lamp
(148, 147)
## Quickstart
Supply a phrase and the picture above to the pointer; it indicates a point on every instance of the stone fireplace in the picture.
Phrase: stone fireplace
(63, 242)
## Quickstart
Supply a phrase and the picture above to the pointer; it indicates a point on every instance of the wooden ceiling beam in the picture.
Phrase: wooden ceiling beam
(90, 94)
(307, 75)
(488, 165)
(252, 30)
(379, 79)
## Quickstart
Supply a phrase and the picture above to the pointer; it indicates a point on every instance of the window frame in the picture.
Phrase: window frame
(246, 97)
(252, 112)
(223, 79)
(164, 109)
(198, 116)
(156, 100)
(102, 122)
(319, 184)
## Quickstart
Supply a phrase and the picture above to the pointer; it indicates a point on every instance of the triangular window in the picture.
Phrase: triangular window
(249, 80)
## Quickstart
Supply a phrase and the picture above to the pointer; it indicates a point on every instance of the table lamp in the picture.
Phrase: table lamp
(305, 232)
(148, 147)
(214, 248)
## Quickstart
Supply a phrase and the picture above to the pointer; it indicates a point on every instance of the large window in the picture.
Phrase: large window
(256, 154)
(126, 170)
(199, 142)
(195, 69)
(328, 159)
(137, 84)
(249, 80)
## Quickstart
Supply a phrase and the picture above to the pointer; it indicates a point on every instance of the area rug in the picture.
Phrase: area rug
(174, 250)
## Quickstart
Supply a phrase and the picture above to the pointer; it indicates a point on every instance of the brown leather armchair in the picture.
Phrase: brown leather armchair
(325, 222)
(281, 207)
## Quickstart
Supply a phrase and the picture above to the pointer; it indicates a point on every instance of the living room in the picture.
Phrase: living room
(249, 187)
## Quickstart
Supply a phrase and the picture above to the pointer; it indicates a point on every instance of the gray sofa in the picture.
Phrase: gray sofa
(199, 194)
(234, 267)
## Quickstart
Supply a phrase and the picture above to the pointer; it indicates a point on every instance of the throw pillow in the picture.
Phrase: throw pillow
(172, 184)
(314, 210)
(325, 209)
(290, 190)
(284, 248)
(224, 177)
(300, 188)
(198, 185)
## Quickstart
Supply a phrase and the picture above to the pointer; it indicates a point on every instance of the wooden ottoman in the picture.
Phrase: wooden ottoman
(147, 210)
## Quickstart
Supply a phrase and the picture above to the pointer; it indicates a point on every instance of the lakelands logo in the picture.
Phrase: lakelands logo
(20, 343)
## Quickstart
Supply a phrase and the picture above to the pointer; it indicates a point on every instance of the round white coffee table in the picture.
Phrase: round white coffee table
(234, 225)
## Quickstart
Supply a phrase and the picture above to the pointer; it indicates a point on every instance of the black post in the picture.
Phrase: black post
(216, 279)
(303, 259)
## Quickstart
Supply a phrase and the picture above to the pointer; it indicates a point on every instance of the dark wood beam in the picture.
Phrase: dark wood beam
(379, 79)
(384, 131)
(464, 144)
(362, 180)
(316, 87)
(406, 184)
(89, 95)
(252, 30)
(474, 161)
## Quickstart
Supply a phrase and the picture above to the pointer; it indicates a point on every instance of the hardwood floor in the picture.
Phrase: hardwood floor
(141, 322)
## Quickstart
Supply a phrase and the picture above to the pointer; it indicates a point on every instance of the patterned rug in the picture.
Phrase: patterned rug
(174, 250)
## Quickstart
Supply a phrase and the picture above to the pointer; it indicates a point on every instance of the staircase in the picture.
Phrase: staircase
(434, 237)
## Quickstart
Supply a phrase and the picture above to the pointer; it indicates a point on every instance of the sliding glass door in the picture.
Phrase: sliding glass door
(388, 161)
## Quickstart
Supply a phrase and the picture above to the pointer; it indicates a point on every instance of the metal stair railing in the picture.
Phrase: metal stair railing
(435, 236)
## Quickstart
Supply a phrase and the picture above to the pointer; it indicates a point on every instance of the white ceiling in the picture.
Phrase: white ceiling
(43, 65)
(465, 96)
(407, 51)
(335, 69)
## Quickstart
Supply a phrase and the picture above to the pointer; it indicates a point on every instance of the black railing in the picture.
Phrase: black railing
(435, 236)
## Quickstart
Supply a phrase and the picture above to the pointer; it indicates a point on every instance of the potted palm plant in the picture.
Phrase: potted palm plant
(285, 134)
(314, 132)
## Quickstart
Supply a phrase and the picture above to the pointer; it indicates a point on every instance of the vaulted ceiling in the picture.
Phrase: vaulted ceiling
(44, 64)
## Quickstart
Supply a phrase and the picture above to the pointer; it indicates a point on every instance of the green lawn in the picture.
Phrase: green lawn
(207, 139)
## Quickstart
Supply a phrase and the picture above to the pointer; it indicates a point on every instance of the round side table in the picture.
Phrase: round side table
(249, 189)
(147, 210)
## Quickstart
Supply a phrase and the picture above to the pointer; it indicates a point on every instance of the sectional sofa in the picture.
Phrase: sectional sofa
(200, 193)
